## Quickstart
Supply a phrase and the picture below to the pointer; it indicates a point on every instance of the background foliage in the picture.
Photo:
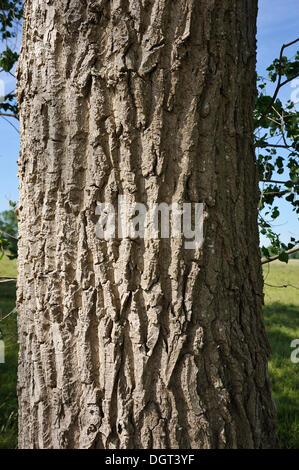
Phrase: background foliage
(9, 232)
(277, 149)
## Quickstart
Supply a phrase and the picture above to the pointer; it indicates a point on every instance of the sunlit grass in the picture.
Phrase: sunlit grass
(282, 324)
(8, 267)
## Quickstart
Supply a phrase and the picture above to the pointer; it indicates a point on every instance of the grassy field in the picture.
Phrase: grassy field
(282, 323)
(8, 371)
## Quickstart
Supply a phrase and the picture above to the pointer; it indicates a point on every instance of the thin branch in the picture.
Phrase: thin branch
(266, 144)
(281, 287)
(273, 258)
(275, 181)
(8, 234)
(8, 280)
(7, 71)
(273, 120)
(279, 192)
(9, 115)
(8, 315)
(10, 73)
(287, 81)
(282, 130)
(260, 204)
(10, 123)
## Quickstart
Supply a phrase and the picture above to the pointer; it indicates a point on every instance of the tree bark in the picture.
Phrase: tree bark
(139, 343)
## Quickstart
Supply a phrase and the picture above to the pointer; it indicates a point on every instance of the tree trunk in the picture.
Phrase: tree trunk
(134, 343)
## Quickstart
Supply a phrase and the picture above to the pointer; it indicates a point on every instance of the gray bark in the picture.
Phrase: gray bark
(139, 343)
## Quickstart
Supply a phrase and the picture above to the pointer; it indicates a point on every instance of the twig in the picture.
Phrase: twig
(279, 192)
(266, 144)
(9, 115)
(275, 181)
(11, 124)
(263, 190)
(273, 258)
(281, 126)
(8, 234)
(8, 315)
(281, 287)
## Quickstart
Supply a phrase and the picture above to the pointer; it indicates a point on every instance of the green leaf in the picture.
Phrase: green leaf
(284, 257)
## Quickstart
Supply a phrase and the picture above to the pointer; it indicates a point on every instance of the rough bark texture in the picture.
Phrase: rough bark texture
(135, 343)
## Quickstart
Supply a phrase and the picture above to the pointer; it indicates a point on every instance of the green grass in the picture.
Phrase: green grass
(282, 323)
(8, 267)
(8, 371)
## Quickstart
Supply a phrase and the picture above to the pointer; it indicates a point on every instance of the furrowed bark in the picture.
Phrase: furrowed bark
(139, 343)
